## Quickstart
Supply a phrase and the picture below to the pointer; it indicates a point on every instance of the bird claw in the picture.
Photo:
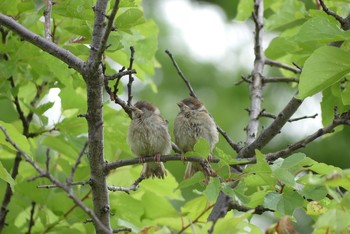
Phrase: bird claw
(142, 159)
(183, 158)
(210, 158)
(157, 158)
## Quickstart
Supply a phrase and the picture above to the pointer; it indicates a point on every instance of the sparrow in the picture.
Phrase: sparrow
(193, 122)
(148, 136)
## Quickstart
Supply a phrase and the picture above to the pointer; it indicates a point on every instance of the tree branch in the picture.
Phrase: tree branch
(302, 143)
(272, 130)
(131, 79)
(74, 168)
(47, 16)
(98, 38)
(163, 158)
(188, 84)
(65, 188)
(132, 187)
(31, 219)
(107, 31)
(340, 19)
(282, 65)
(49, 186)
(66, 56)
(256, 84)
(280, 80)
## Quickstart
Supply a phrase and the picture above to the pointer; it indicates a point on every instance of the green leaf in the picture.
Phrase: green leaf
(213, 189)
(195, 179)
(314, 192)
(345, 94)
(285, 176)
(323, 68)
(244, 10)
(61, 145)
(129, 18)
(293, 160)
(271, 200)
(289, 202)
(336, 220)
(286, 14)
(330, 32)
(40, 110)
(4, 175)
(15, 136)
(236, 224)
(259, 174)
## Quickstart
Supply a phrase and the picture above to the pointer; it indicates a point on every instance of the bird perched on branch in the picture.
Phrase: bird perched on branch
(194, 122)
(148, 136)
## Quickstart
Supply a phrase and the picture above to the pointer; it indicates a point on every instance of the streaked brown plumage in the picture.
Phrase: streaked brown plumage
(193, 122)
(148, 136)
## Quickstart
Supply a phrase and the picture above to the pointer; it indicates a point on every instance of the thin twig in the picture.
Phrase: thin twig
(263, 113)
(340, 19)
(47, 160)
(188, 84)
(244, 79)
(131, 78)
(257, 210)
(125, 229)
(49, 186)
(35, 134)
(47, 16)
(74, 168)
(120, 74)
(132, 187)
(196, 219)
(280, 80)
(31, 219)
(282, 65)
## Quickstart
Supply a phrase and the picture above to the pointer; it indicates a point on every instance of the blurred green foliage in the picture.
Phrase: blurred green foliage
(301, 34)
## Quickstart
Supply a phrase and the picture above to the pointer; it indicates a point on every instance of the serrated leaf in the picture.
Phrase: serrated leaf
(323, 68)
(4, 175)
(315, 208)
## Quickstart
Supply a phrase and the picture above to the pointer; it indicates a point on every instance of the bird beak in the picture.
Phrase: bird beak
(180, 104)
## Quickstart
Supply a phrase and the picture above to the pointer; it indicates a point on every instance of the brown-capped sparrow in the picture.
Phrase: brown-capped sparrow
(194, 122)
(148, 136)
